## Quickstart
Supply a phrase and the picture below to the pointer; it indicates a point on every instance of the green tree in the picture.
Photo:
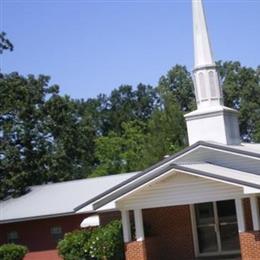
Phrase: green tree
(24, 143)
(178, 81)
(43, 136)
(126, 104)
(166, 129)
(123, 153)
(73, 137)
(5, 44)
(241, 87)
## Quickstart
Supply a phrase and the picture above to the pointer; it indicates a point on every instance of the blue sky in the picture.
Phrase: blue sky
(92, 47)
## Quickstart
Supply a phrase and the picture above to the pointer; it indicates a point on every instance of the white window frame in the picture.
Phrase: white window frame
(195, 235)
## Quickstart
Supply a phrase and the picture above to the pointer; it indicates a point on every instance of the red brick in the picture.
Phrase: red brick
(135, 250)
(250, 245)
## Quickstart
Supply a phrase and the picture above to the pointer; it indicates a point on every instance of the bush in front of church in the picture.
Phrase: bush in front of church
(12, 252)
(106, 242)
(101, 243)
(72, 247)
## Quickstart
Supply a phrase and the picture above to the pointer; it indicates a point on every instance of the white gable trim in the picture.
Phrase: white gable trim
(118, 202)
(182, 189)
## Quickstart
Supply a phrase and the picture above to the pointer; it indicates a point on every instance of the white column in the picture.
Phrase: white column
(255, 213)
(240, 215)
(139, 227)
(126, 226)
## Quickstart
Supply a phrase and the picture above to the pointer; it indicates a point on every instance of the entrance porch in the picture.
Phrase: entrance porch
(227, 229)
(182, 216)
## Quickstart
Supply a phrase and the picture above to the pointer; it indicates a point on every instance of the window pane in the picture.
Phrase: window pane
(207, 239)
(226, 211)
(229, 237)
(204, 213)
(12, 237)
(56, 233)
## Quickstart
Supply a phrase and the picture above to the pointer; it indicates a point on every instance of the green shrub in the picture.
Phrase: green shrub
(72, 247)
(104, 242)
(12, 252)
(107, 242)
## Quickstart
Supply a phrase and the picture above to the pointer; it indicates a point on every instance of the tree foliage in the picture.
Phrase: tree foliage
(121, 153)
(242, 91)
(5, 43)
(43, 136)
(47, 137)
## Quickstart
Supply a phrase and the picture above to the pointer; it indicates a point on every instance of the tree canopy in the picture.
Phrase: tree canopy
(48, 137)
(5, 43)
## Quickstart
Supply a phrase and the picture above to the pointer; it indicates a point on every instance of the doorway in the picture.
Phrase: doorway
(216, 228)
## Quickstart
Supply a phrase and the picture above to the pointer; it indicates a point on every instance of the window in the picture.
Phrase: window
(12, 237)
(216, 227)
(56, 233)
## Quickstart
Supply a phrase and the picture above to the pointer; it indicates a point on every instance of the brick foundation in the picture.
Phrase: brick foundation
(135, 250)
(250, 245)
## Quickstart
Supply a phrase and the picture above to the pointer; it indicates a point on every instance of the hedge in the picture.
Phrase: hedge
(104, 242)
(12, 252)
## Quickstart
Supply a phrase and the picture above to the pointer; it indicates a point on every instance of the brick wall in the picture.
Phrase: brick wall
(250, 245)
(35, 234)
(249, 240)
(152, 246)
(248, 215)
(170, 230)
(135, 250)
(107, 217)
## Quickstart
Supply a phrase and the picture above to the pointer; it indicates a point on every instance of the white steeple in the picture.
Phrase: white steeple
(203, 53)
(211, 121)
(207, 86)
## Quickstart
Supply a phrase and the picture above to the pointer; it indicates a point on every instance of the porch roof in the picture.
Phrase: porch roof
(247, 150)
(206, 170)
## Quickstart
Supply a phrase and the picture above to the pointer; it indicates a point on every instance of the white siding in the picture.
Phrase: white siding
(180, 189)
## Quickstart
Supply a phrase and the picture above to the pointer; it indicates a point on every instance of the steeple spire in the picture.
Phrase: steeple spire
(207, 85)
(211, 121)
(202, 47)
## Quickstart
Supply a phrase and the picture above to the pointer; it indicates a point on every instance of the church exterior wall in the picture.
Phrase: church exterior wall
(168, 234)
(169, 230)
(250, 245)
(36, 234)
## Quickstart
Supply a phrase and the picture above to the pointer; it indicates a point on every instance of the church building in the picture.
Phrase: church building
(201, 203)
